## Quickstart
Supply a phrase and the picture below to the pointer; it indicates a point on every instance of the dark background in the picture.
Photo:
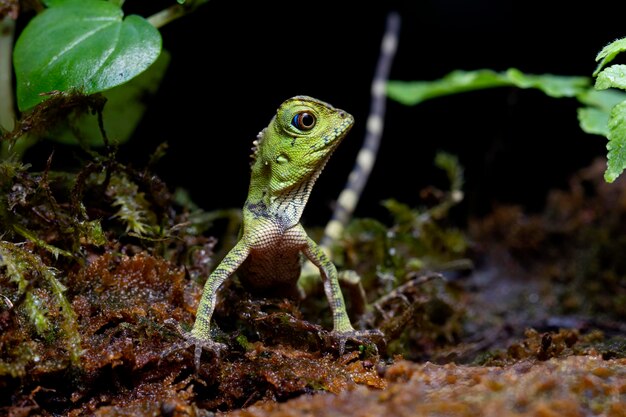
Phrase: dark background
(233, 63)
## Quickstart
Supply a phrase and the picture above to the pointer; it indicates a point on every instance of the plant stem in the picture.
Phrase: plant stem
(172, 13)
(7, 111)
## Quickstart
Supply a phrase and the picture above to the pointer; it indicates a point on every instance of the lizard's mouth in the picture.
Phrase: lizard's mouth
(329, 141)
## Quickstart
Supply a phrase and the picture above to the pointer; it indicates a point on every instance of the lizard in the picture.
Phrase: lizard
(287, 158)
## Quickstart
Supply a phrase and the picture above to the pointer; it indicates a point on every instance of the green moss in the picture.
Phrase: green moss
(133, 208)
(31, 276)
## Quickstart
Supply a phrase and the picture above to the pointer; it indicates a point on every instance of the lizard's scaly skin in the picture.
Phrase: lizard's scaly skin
(288, 157)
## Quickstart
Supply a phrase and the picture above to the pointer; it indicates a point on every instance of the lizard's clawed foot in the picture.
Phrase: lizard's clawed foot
(190, 339)
(361, 337)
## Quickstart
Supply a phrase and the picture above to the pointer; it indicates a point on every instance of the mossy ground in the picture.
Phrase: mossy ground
(520, 314)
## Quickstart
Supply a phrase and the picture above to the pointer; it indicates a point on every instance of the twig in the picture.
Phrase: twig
(349, 197)
(172, 13)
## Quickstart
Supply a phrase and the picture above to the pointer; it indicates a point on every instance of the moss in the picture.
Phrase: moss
(556, 387)
(85, 293)
(40, 297)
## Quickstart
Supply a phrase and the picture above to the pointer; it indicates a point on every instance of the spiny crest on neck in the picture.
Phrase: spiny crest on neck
(256, 144)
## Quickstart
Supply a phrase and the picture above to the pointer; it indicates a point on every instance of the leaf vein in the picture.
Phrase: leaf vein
(77, 41)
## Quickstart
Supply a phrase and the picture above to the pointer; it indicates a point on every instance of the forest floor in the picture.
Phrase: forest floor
(531, 323)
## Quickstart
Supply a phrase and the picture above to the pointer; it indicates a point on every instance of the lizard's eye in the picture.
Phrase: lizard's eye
(303, 121)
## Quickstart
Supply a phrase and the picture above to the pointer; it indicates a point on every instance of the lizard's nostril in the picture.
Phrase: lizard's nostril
(342, 114)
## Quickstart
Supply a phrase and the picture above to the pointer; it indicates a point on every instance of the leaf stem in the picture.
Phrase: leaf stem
(172, 13)
(7, 110)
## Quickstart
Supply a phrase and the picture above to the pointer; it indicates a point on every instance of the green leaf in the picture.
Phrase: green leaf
(552, 85)
(52, 3)
(83, 45)
(617, 143)
(414, 92)
(604, 100)
(124, 109)
(609, 52)
(613, 76)
(593, 120)
(614, 127)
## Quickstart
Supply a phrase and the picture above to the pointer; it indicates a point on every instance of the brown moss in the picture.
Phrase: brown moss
(425, 389)
(122, 291)
(119, 301)
(278, 373)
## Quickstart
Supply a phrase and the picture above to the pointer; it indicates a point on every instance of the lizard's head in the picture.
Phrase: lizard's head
(299, 140)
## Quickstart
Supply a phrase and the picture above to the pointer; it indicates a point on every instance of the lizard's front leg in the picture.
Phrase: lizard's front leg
(342, 328)
(200, 334)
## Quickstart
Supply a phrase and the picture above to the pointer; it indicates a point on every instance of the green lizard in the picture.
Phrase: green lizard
(288, 156)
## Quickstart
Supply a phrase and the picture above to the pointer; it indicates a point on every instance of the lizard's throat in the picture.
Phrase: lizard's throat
(284, 205)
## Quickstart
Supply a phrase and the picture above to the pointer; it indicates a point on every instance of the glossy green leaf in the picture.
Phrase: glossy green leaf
(414, 92)
(609, 52)
(613, 76)
(83, 45)
(617, 143)
(124, 109)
